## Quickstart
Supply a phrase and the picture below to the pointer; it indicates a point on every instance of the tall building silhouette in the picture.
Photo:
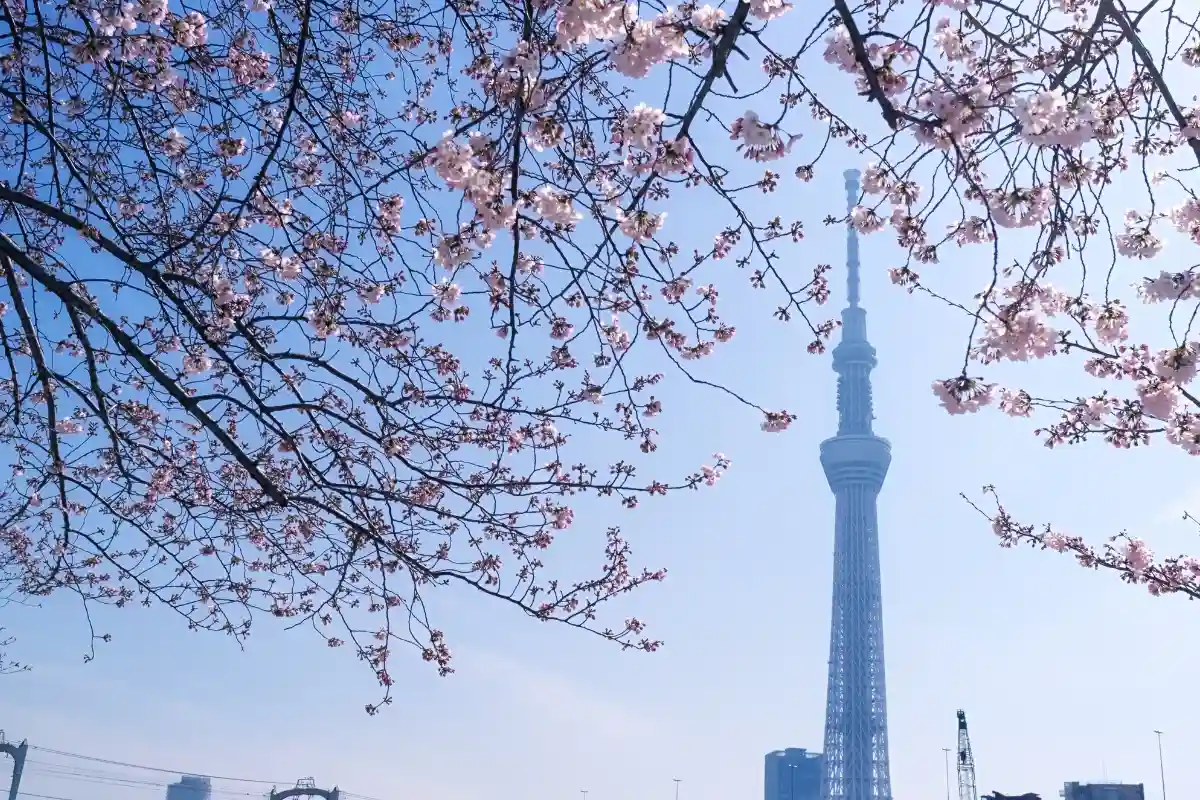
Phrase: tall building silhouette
(190, 787)
(855, 763)
(792, 774)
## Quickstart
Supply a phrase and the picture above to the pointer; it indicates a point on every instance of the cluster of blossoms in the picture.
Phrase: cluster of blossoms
(639, 135)
(840, 51)
(1075, 135)
(759, 140)
(903, 195)
(389, 215)
(637, 45)
(1139, 241)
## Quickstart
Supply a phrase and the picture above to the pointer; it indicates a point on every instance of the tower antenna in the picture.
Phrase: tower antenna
(852, 263)
(966, 761)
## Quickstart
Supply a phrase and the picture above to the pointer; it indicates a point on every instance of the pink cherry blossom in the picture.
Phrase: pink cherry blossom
(446, 294)
(191, 30)
(641, 225)
(865, 220)
(759, 141)
(963, 395)
(640, 129)
(1137, 240)
(1048, 119)
(768, 10)
(707, 18)
(372, 294)
(776, 421)
(555, 207)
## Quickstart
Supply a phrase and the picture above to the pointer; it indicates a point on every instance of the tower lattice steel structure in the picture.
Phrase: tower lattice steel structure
(855, 462)
(966, 761)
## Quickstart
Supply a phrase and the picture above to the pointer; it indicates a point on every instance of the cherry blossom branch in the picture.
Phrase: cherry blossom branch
(1147, 61)
(71, 300)
(1128, 556)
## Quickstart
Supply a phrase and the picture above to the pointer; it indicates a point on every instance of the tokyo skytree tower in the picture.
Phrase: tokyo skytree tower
(855, 461)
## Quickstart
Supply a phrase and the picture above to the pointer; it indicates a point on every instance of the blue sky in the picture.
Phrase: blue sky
(1064, 673)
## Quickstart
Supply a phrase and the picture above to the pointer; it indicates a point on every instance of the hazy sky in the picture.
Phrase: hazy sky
(1064, 674)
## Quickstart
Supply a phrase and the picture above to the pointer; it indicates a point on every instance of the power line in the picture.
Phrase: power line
(68, 772)
(164, 770)
(90, 772)
(38, 796)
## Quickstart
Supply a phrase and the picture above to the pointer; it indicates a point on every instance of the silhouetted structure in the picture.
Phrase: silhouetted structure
(18, 753)
(190, 787)
(307, 787)
(1103, 791)
(855, 462)
(792, 774)
(966, 762)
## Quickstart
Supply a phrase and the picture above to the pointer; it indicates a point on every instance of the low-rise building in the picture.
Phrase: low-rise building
(1103, 791)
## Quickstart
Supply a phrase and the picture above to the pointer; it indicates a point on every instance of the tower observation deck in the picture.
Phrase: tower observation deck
(855, 462)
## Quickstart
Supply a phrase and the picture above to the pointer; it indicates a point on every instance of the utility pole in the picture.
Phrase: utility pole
(1162, 776)
(17, 751)
(677, 782)
(584, 793)
(946, 750)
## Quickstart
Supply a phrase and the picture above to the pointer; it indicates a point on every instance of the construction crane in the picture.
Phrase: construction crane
(966, 761)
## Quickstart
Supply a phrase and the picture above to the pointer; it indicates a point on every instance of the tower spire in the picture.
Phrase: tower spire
(854, 319)
(851, 176)
(854, 357)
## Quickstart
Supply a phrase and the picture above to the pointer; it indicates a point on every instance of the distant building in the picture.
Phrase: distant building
(1103, 791)
(792, 774)
(190, 787)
